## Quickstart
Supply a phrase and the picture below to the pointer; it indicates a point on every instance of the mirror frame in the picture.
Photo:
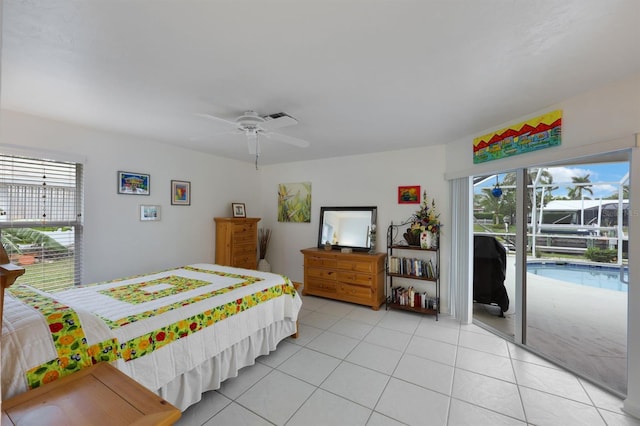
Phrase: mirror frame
(374, 218)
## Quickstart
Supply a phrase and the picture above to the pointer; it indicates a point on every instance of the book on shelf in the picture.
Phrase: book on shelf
(412, 298)
(422, 268)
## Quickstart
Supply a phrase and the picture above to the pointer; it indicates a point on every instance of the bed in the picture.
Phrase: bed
(179, 332)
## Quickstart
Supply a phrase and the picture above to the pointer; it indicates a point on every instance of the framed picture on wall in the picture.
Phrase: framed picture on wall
(134, 183)
(238, 210)
(180, 193)
(409, 194)
(149, 213)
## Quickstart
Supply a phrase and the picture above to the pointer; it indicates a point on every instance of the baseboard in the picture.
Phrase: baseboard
(631, 408)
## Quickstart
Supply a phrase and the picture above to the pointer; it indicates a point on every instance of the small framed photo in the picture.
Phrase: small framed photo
(409, 194)
(180, 193)
(238, 210)
(134, 183)
(149, 213)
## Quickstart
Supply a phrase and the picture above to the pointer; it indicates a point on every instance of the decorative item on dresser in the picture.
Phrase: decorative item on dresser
(350, 277)
(237, 241)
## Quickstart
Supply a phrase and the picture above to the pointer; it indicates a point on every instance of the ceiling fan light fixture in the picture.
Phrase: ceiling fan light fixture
(249, 120)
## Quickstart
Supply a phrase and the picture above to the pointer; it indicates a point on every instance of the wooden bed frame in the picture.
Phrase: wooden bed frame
(86, 397)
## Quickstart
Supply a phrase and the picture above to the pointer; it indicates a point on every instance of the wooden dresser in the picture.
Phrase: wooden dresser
(237, 242)
(351, 277)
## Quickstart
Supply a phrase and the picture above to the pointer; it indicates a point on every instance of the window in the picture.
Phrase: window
(41, 219)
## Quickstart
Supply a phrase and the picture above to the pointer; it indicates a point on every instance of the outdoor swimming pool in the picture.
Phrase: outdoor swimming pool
(607, 277)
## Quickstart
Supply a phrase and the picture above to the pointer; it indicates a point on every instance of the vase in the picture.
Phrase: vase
(433, 244)
(428, 240)
(425, 240)
(264, 266)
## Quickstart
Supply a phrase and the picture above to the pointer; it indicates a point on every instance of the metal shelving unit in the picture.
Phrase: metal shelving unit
(409, 262)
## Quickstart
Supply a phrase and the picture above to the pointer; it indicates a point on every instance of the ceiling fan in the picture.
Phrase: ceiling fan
(252, 124)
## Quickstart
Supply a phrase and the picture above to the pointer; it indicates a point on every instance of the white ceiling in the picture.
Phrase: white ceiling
(360, 76)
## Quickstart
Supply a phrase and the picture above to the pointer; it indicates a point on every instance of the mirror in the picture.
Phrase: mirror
(346, 227)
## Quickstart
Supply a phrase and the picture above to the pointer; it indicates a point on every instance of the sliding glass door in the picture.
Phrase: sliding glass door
(572, 294)
(494, 224)
(576, 288)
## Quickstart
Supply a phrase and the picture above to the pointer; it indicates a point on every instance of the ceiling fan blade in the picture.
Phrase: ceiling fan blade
(287, 139)
(208, 137)
(218, 119)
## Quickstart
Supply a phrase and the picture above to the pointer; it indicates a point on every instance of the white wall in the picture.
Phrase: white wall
(604, 114)
(362, 180)
(117, 244)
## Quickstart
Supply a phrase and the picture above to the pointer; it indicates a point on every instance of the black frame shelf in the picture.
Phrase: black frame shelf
(432, 254)
(408, 247)
(425, 311)
(413, 277)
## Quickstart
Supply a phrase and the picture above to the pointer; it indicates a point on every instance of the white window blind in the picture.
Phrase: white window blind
(41, 205)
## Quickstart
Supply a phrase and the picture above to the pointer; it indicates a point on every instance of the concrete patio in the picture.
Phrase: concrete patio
(579, 327)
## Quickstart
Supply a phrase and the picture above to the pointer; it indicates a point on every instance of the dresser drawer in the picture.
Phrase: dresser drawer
(355, 266)
(244, 250)
(320, 262)
(248, 262)
(355, 278)
(244, 227)
(324, 274)
(245, 238)
(320, 286)
(355, 292)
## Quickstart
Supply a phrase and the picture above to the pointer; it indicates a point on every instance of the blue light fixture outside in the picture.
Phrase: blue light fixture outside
(496, 191)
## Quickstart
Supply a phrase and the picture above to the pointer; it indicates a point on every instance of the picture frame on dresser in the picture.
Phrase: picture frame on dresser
(238, 210)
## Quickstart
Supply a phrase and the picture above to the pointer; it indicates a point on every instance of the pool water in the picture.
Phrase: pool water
(607, 277)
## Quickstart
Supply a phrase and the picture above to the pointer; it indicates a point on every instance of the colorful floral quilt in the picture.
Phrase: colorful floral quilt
(154, 327)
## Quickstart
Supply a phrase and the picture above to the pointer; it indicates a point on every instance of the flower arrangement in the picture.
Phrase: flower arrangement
(426, 218)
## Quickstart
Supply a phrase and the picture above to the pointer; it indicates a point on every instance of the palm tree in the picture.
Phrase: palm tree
(489, 203)
(625, 194)
(577, 192)
(545, 179)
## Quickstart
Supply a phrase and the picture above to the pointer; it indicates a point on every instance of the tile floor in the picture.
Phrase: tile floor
(352, 365)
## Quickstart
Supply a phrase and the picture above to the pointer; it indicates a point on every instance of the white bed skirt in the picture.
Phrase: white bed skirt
(187, 389)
